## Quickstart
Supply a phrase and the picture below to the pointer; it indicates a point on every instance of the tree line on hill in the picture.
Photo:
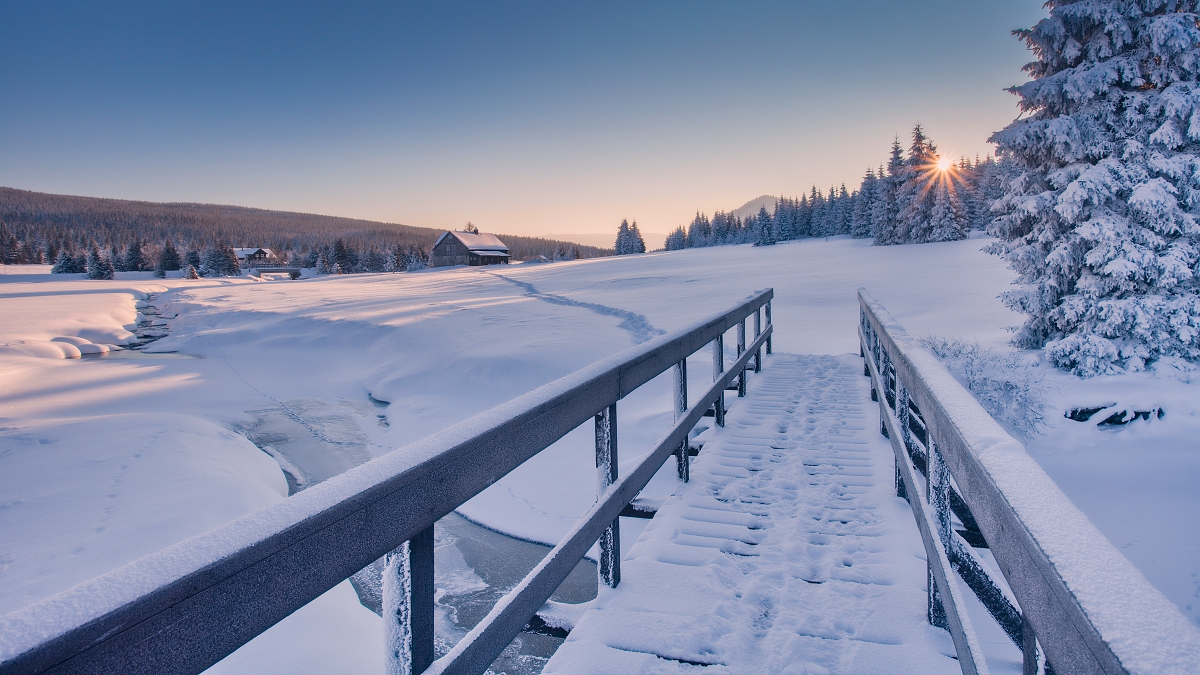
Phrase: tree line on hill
(142, 236)
(912, 199)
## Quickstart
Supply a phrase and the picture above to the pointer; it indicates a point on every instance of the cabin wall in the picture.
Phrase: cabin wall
(449, 252)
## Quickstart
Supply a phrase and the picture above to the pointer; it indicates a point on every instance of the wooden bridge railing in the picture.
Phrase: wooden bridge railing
(184, 608)
(970, 484)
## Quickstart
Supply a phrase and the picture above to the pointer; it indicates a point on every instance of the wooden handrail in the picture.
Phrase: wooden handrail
(184, 608)
(1090, 609)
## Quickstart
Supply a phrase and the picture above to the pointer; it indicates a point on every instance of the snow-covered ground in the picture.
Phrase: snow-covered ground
(330, 372)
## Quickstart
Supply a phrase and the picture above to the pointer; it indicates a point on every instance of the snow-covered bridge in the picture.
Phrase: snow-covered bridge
(785, 551)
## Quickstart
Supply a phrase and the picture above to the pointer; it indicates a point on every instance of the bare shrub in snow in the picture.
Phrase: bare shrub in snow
(1011, 389)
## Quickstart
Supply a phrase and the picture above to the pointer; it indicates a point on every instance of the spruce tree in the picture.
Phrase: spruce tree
(233, 267)
(844, 209)
(676, 240)
(168, 258)
(886, 214)
(133, 260)
(915, 196)
(765, 227)
(342, 257)
(1100, 219)
(636, 243)
(948, 219)
(864, 203)
(213, 264)
(99, 266)
(622, 245)
(64, 264)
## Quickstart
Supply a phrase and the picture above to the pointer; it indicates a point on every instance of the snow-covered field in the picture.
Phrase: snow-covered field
(104, 459)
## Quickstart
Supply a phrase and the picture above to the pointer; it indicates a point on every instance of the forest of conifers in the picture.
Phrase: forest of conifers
(916, 198)
(37, 226)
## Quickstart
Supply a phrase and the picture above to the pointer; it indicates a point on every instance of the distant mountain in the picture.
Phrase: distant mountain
(751, 207)
(51, 222)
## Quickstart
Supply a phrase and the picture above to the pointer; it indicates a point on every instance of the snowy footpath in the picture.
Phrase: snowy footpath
(788, 551)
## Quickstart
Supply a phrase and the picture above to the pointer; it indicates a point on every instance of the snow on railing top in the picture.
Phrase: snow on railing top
(1145, 632)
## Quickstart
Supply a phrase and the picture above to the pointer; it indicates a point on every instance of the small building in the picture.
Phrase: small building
(251, 257)
(468, 248)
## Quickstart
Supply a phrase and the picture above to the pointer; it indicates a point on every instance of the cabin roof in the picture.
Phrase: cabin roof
(243, 252)
(476, 242)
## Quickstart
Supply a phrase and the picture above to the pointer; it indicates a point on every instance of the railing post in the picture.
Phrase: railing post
(757, 333)
(741, 347)
(606, 468)
(718, 370)
(682, 460)
(1029, 651)
(767, 308)
(408, 605)
(937, 486)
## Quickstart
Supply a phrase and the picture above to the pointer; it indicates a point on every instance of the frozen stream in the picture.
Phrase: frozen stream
(474, 566)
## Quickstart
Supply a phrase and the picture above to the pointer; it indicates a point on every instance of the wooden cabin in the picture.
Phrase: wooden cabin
(253, 257)
(468, 248)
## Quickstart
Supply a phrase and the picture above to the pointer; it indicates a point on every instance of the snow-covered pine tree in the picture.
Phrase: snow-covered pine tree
(133, 260)
(233, 267)
(1100, 220)
(213, 263)
(765, 228)
(699, 232)
(886, 214)
(116, 259)
(883, 226)
(63, 264)
(622, 246)
(636, 243)
(815, 226)
(99, 266)
(915, 195)
(344, 258)
(844, 209)
(192, 259)
(323, 266)
(948, 220)
(785, 219)
(676, 240)
(168, 258)
(864, 202)
(415, 260)
(372, 261)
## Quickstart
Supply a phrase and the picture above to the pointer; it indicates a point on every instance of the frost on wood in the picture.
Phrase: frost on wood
(1100, 222)
(397, 625)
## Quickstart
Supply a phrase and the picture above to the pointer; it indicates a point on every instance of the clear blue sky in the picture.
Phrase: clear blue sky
(521, 117)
